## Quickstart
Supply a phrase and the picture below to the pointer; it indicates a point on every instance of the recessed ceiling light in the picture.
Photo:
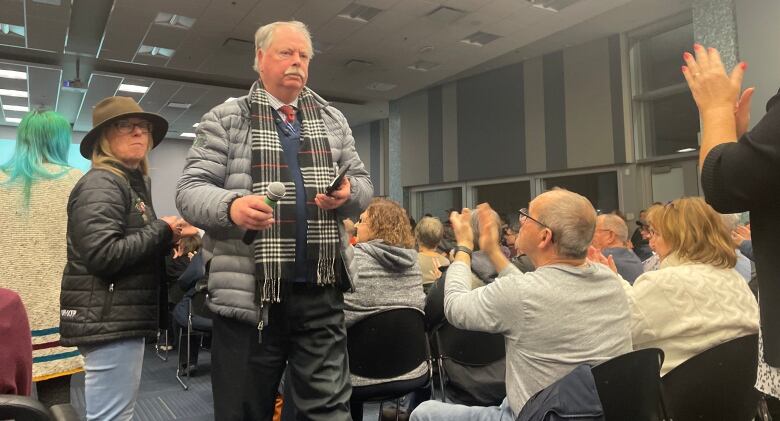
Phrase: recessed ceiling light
(480, 38)
(12, 30)
(126, 87)
(230, 99)
(686, 150)
(423, 65)
(359, 12)
(380, 86)
(13, 119)
(179, 105)
(187, 134)
(16, 108)
(13, 92)
(150, 50)
(12, 74)
(196, 125)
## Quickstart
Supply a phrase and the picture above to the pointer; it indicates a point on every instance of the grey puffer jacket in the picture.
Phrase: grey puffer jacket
(217, 171)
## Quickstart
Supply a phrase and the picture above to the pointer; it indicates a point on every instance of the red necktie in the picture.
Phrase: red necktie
(289, 112)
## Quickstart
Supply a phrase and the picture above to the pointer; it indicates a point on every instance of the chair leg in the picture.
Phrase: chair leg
(157, 347)
(763, 410)
(179, 370)
(443, 396)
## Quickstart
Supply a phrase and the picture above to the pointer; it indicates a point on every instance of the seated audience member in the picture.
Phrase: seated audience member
(695, 300)
(610, 237)
(385, 274)
(16, 351)
(482, 273)
(428, 234)
(640, 242)
(195, 271)
(553, 318)
(508, 239)
(744, 241)
(744, 266)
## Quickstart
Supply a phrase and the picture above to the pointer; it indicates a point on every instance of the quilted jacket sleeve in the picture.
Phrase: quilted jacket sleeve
(362, 188)
(97, 216)
(200, 195)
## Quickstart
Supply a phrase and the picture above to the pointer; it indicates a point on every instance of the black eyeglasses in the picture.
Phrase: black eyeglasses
(127, 127)
(525, 215)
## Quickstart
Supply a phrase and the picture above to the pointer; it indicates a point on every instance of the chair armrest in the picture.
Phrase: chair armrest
(22, 407)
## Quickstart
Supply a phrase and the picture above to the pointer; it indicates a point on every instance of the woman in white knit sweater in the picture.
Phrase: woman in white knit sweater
(34, 188)
(696, 300)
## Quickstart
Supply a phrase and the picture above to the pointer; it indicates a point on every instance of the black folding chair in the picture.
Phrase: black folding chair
(629, 386)
(197, 307)
(388, 345)
(717, 384)
(470, 349)
(25, 408)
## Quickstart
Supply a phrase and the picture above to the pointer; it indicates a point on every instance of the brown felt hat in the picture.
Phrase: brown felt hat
(114, 108)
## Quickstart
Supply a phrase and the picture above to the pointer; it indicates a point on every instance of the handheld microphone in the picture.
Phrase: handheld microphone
(274, 193)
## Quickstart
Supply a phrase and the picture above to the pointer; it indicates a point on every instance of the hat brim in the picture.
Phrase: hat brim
(159, 129)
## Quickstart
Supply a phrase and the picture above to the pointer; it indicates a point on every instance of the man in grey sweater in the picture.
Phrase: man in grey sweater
(568, 312)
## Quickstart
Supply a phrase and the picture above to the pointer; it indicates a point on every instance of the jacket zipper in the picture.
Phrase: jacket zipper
(108, 301)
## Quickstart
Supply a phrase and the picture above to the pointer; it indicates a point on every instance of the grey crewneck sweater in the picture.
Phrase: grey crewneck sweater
(552, 320)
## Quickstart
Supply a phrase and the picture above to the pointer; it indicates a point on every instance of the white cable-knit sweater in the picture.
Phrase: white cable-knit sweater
(685, 308)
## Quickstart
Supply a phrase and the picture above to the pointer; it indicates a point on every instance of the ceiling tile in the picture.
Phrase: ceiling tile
(46, 34)
(165, 36)
(100, 87)
(12, 12)
(44, 85)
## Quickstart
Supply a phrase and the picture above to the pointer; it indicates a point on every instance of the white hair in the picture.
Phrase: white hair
(265, 35)
(617, 225)
(730, 220)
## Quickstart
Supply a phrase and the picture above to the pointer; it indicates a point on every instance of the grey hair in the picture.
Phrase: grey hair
(617, 225)
(476, 229)
(265, 35)
(429, 232)
(572, 219)
(730, 221)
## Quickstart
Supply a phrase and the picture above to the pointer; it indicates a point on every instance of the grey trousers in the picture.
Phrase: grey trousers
(305, 331)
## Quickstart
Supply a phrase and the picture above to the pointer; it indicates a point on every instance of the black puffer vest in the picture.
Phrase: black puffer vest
(116, 246)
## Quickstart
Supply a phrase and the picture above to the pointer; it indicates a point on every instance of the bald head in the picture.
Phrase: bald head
(615, 225)
(572, 219)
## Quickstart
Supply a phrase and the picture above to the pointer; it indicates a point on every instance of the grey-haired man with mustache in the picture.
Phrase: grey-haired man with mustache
(277, 302)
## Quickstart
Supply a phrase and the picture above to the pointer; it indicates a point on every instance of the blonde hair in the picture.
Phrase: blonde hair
(388, 221)
(103, 158)
(695, 232)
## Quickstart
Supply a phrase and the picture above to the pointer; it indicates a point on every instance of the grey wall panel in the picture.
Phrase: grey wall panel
(535, 148)
(394, 184)
(435, 151)
(491, 127)
(554, 111)
(616, 98)
(449, 105)
(166, 163)
(588, 105)
(375, 156)
(756, 27)
(413, 112)
(362, 135)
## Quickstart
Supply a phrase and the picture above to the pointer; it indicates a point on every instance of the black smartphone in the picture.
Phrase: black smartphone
(336, 183)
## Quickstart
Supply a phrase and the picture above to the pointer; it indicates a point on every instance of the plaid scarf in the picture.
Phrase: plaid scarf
(275, 246)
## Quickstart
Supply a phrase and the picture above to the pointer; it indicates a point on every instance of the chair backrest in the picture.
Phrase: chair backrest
(717, 384)
(468, 347)
(629, 386)
(22, 408)
(199, 299)
(387, 344)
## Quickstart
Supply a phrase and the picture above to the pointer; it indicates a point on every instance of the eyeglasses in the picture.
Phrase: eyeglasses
(524, 216)
(127, 126)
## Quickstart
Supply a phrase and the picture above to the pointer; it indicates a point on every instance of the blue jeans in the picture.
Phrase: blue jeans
(113, 374)
(435, 410)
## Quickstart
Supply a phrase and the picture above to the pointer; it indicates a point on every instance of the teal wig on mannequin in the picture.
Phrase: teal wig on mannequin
(42, 137)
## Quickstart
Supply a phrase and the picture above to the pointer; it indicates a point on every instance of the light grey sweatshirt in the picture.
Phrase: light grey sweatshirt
(552, 320)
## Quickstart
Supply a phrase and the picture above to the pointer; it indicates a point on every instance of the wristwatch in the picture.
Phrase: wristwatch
(463, 249)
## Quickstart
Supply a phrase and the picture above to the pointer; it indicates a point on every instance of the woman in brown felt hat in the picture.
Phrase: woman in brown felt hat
(116, 244)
